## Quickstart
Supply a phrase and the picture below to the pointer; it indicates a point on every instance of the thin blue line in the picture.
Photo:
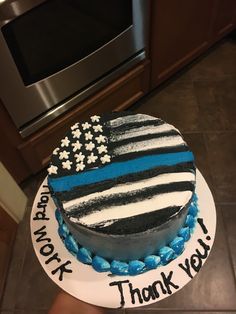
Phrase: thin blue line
(118, 169)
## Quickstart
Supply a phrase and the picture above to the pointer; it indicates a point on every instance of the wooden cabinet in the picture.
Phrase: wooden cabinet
(225, 18)
(182, 29)
(33, 153)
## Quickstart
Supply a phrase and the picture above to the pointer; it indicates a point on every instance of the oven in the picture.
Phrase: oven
(55, 53)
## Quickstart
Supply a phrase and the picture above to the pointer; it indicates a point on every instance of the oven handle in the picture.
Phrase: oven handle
(10, 9)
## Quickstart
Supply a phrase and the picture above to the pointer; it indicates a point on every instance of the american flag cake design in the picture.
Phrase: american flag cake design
(121, 174)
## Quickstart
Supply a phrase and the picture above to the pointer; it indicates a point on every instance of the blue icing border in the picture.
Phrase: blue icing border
(164, 256)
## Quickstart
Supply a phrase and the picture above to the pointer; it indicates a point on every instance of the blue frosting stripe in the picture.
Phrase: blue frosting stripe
(117, 169)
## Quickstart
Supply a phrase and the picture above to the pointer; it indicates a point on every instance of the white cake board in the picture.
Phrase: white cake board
(95, 288)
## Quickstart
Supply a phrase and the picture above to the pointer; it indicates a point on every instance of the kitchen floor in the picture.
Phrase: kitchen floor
(201, 102)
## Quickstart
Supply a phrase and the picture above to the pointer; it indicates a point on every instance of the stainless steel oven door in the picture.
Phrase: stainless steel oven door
(34, 105)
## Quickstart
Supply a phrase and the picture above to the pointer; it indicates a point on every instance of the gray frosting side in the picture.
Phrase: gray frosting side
(130, 246)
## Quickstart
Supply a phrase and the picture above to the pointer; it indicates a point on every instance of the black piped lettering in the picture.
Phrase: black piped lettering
(186, 268)
(154, 287)
(47, 249)
(148, 293)
(42, 235)
(120, 288)
(168, 283)
(53, 257)
(62, 269)
(201, 223)
(134, 292)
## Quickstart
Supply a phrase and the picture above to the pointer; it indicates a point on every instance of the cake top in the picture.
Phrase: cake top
(121, 167)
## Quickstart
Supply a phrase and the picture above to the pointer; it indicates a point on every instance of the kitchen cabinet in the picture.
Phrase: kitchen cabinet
(182, 29)
(225, 18)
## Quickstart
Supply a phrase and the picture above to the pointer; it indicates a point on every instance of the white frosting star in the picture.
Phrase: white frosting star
(75, 126)
(97, 128)
(66, 164)
(106, 158)
(90, 146)
(76, 133)
(86, 126)
(92, 158)
(65, 142)
(64, 155)
(80, 166)
(88, 136)
(100, 139)
(76, 146)
(79, 157)
(56, 150)
(52, 169)
(102, 149)
(95, 118)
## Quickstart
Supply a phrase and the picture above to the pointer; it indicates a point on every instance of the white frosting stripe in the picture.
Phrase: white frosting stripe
(166, 141)
(130, 119)
(129, 210)
(130, 187)
(140, 131)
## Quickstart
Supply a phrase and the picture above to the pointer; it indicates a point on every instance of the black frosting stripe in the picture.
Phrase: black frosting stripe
(100, 203)
(104, 185)
(138, 223)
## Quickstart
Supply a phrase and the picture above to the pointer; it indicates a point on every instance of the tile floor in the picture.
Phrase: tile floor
(201, 102)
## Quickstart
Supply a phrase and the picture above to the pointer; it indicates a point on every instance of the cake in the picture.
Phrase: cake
(123, 185)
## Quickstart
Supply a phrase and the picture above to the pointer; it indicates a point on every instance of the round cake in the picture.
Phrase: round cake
(123, 184)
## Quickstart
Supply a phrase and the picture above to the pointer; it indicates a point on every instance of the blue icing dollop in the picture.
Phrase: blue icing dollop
(195, 198)
(184, 233)
(166, 254)
(71, 244)
(63, 231)
(190, 221)
(119, 268)
(84, 256)
(152, 261)
(136, 267)
(59, 217)
(100, 264)
(193, 210)
(177, 245)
